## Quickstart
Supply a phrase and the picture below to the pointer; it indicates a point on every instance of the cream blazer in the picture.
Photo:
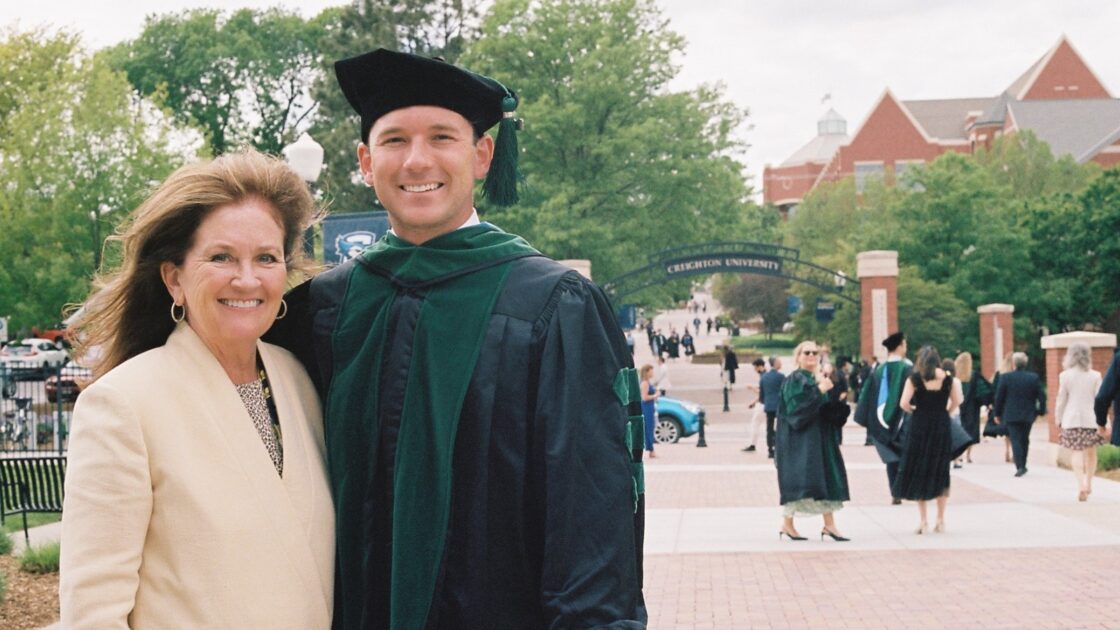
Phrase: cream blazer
(1076, 391)
(174, 515)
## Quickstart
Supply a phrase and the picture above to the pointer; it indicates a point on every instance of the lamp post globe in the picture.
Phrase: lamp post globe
(305, 156)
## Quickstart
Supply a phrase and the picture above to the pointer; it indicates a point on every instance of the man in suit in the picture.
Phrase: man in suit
(1020, 399)
(770, 393)
(1109, 394)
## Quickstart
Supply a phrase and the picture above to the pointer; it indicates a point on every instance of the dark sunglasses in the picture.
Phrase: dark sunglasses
(810, 352)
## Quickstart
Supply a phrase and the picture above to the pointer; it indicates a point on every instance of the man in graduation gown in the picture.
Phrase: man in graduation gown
(477, 395)
(878, 408)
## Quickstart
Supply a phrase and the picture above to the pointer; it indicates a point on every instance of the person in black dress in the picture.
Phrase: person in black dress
(931, 396)
(991, 427)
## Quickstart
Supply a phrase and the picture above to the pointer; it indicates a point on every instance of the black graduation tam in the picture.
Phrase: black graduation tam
(894, 341)
(382, 81)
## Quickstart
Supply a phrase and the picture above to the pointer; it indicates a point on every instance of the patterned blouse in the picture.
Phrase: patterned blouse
(257, 397)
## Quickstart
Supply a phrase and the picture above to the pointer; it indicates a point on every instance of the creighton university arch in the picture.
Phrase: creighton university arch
(874, 292)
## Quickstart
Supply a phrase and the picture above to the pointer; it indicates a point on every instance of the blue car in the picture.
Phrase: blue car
(676, 419)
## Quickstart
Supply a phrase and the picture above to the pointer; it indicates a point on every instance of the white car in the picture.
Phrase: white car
(32, 355)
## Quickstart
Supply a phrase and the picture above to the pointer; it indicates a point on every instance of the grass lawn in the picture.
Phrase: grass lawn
(759, 342)
(14, 523)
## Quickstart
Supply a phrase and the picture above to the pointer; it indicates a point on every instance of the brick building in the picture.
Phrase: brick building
(1058, 98)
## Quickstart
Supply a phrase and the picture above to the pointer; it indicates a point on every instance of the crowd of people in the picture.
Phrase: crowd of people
(922, 416)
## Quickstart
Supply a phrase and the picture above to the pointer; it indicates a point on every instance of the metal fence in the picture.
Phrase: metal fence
(36, 403)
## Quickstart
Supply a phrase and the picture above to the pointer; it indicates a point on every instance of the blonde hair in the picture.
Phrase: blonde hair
(1007, 365)
(128, 311)
(963, 363)
(1077, 356)
(797, 351)
(646, 369)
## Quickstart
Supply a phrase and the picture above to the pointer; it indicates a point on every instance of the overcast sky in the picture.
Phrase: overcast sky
(779, 58)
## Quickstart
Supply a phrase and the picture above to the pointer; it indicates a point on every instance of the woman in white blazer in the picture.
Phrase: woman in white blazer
(1077, 388)
(196, 490)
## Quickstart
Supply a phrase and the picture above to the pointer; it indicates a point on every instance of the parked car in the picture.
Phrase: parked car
(57, 333)
(32, 356)
(68, 382)
(676, 419)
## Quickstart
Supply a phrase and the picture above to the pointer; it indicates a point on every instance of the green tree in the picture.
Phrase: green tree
(1027, 170)
(617, 165)
(244, 78)
(753, 295)
(78, 150)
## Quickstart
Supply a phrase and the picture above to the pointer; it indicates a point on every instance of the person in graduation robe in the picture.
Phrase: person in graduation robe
(811, 474)
(878, 407)
(483, 418)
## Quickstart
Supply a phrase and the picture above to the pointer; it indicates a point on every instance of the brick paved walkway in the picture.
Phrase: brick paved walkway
(1018, 553)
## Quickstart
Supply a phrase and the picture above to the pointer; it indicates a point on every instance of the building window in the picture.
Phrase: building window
(865, 170)
(900, 168)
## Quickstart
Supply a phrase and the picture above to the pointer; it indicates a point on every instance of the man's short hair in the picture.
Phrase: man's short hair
(758, 362)
(894, 341)
(1019, 360)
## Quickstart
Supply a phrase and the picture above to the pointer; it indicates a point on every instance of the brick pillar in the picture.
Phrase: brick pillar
(878, 317)
(996, 336)
(1101, 347)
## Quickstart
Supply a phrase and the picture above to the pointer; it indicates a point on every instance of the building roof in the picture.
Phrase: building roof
(995, 113)
(1020, 85)
(1076, 127)
(831, 135)
(944, 119)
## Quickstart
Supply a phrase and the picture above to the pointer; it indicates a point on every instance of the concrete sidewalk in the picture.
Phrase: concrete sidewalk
(1017, 553)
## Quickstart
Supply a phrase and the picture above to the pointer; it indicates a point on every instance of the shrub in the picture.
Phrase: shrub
(3, 587)
(40, 559)
(5, 543)
(1108, 457)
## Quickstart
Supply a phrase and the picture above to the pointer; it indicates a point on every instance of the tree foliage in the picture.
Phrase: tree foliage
(753, 295)
(78, 150)
(243, 78)
(617, 165)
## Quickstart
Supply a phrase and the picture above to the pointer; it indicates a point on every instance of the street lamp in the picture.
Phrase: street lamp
(95, 220)
(841, 280)
(305, 156)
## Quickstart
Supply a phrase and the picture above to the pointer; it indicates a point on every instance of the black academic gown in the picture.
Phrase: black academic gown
(807, 451)
(544, 531)
(888, 439)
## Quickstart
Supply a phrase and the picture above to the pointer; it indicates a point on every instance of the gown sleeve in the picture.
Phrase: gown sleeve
(590, 558)
(801, 401)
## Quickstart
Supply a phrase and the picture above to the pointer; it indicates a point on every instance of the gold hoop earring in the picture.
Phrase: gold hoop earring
(182, 312)
(283, 309)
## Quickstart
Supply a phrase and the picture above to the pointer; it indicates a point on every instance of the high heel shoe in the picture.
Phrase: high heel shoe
(1081, 496)
(834, 536)
(922, 529)
(939, 527)
(782, 532)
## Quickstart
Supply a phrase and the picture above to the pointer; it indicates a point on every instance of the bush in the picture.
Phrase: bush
(5, 543)
(1108, 457)
(40, 559)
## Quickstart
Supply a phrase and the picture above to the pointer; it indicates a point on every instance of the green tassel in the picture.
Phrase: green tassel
(500, 187)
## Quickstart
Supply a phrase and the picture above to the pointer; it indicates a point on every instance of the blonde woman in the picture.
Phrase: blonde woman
(1073, 410)
(811, 474)
(197, 494)
(977, 393)
(649, 405)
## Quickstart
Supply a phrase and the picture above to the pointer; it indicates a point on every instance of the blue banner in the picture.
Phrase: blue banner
(346, 235)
